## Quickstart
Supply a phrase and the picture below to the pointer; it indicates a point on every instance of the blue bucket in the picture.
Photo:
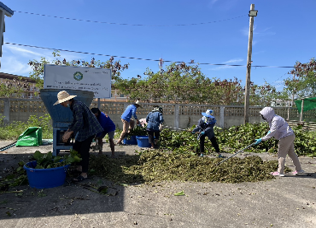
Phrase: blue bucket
(142, 141)
(45, 178)
(131, 141)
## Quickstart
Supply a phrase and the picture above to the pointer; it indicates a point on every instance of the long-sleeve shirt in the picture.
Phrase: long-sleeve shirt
(129, 112)
(206, 125)
(154, 119)
(106, 123)
(84, 121)
(279, 128)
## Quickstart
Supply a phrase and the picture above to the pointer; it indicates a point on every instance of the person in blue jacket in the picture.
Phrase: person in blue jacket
(129, 112)
(205, 128)
(154, 119)
(108, 128)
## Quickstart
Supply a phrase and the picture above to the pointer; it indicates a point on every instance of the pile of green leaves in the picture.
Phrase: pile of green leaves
(236, 138)
(137, 131)
(157, 166)
(47, 161)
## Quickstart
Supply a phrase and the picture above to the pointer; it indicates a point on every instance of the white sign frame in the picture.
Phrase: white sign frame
(97, 80)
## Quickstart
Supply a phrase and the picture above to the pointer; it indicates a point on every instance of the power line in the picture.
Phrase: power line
(144, 59)
(125, 24)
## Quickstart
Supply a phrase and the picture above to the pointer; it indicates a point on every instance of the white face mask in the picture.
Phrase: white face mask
(68, 105)
(207, 119)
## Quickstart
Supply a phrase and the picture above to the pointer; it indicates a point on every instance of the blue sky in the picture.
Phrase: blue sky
(283, 34)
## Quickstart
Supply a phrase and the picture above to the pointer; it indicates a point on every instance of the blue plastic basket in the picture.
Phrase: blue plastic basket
(131, 141)
(45, 178)
(142, 141)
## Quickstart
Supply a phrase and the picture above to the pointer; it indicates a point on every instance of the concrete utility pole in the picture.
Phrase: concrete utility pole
(252, 14)
(292, 104)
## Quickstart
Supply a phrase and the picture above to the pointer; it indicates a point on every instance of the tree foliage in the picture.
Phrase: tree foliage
(303, 82)
(182, 83)
(16, 87)
(176, 83)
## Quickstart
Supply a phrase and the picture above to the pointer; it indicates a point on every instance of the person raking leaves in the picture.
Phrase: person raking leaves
(84, 126)
(280, 130)
(108, 128)
(205, 128)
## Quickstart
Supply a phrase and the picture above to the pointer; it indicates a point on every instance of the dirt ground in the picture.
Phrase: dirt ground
(288, 201)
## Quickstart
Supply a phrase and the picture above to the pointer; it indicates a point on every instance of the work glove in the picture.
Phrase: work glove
(203, 133)
(268, 132)
(258, 141)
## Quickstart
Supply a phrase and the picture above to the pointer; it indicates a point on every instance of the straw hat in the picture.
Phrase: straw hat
(138, 103)
(63, 96)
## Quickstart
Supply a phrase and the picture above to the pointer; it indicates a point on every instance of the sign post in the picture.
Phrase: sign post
(97, 80)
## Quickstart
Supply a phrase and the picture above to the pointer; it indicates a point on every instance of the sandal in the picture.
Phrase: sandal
(79, 178)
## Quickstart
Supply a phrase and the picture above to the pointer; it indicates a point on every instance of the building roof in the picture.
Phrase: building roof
(12, 76)
(8, 12)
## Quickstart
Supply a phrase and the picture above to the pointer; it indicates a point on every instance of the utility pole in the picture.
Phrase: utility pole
(252, 13)
(293, 93)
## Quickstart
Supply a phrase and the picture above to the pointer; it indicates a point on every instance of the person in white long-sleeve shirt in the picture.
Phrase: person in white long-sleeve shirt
(280, 130)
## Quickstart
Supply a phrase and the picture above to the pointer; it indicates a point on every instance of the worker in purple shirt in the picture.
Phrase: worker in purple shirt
(109, 128)
(129, 112)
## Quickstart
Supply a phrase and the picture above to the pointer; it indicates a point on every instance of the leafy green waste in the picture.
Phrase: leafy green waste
(15, 177)
(47, 161)
(180, 193)
(157, 166)
(235, 138)
(137, 131)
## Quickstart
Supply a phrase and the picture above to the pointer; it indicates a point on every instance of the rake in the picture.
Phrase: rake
(236, 153)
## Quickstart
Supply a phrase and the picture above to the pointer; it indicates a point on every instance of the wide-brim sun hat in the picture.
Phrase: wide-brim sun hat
(208, 113)
(156, 109)
(138, 103)
(63, 96)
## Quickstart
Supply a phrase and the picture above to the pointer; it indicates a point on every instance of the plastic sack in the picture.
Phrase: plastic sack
(31, 137)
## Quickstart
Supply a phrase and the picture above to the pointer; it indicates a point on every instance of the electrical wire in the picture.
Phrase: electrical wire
(125, 24)
(144, 59)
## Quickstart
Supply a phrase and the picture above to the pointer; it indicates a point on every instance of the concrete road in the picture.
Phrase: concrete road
(283, 202)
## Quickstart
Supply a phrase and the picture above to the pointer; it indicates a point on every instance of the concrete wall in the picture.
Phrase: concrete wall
(175, 115)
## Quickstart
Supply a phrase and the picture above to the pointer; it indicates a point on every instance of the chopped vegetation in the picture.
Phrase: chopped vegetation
(17, 176)
(13, 177)
(157, 166)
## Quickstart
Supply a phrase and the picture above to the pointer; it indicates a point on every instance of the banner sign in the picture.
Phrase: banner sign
(97, 80)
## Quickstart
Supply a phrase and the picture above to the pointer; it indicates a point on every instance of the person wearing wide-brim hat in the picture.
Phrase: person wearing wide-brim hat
(84, 125)
(205, 128)
(128, 123)
(154, 119)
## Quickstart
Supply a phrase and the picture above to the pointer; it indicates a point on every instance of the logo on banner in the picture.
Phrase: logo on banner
(78, 76)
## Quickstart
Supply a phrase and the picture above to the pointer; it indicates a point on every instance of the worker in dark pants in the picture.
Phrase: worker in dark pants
(84, 126)
(154, 119)
(205, 127)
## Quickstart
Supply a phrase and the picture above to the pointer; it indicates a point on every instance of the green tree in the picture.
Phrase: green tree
(14, 88)
(302, 84)
(182, 83)
(178, 83)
